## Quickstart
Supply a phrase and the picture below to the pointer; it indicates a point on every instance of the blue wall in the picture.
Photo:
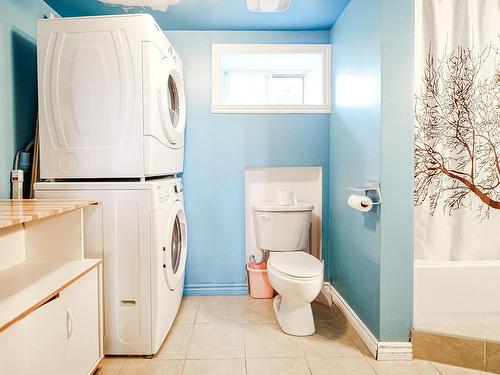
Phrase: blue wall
(355, 157)
(18, 105)
(220, 146)
(370, 256)
(396, 251)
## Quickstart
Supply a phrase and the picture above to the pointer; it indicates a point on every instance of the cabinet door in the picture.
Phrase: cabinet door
(35, 343)
(81, 300)
(60, 337)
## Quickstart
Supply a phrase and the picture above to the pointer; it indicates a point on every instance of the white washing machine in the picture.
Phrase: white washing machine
(111, 98)
(139, 229)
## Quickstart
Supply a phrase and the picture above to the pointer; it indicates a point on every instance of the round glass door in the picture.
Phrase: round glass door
(176, 245)
(174, 254)
(172, 103)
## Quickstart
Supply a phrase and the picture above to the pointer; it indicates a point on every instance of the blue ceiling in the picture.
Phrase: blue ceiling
(218, 14)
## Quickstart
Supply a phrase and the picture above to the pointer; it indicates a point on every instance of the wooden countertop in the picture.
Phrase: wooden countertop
(18, 211)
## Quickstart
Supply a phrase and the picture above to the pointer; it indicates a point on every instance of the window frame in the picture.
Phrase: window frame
(219, 49)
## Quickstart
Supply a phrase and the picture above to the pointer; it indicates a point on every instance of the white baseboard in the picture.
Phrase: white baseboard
(394, 351)
(382, 351)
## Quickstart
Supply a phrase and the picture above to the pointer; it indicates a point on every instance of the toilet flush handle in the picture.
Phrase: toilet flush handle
(264, 217)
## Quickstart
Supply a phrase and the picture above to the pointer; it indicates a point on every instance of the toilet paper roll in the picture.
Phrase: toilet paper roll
(360, 202)
(285, 197)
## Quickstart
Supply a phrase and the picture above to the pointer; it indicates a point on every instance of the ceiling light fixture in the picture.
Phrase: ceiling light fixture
(268, 5)
(161, 5)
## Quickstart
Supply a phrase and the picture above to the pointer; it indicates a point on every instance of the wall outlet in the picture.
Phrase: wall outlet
(17, 179)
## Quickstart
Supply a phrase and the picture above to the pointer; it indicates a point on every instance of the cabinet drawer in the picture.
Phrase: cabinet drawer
(60, 337)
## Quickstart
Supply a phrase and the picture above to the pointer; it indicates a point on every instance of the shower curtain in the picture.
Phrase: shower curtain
(457, 130)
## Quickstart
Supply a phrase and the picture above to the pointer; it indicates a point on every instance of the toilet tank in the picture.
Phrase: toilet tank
(282, 228)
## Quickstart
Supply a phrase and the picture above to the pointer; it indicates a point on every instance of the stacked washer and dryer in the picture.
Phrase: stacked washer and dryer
(112, 115)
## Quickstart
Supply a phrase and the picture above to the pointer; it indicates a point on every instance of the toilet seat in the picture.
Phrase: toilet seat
(296, 264)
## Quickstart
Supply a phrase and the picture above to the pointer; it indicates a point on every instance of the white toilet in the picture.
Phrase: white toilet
(283, 231)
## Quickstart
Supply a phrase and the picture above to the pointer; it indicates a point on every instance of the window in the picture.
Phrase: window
(269, 78)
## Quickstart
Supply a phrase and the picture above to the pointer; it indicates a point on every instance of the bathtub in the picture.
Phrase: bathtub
(456, 292)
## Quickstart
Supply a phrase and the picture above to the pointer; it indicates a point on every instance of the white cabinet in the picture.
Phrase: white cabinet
(60, 337)
(24, 345)
(50, 309)
(81, 307)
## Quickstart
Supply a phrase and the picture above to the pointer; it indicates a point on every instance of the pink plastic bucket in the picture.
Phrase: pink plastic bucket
(258, 282)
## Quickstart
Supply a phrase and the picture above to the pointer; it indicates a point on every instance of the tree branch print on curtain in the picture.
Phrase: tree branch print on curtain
(457, 132)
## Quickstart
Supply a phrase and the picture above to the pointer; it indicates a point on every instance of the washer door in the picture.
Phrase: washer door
(172, 103)
(175, 251)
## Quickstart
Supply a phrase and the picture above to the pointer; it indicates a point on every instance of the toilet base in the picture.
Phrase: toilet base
(293, 318)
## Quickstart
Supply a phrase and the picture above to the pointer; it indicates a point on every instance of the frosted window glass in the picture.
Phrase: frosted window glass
(271, 78)
(287, 89)
(274, 79)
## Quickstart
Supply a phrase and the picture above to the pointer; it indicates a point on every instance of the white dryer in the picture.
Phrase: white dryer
(139, 229)
(111, 98)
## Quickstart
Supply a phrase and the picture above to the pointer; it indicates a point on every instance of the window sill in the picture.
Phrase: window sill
(309, 109)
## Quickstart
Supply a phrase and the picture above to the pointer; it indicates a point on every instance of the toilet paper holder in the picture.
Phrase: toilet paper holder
(370, 186)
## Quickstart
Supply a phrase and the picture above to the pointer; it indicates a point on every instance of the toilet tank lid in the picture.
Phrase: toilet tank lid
(273, 206)
(296, 264)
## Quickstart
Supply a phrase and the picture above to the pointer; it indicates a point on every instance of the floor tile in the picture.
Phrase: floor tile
(191, 301)
(211, 299)
(186, 314)
(415, 367)
(322, 312)
(216, 341)
(221, 311)
(176, 344)
(214, 367)
(332, 328)
(267, 340)
(360, 344)
(454, 370)
(111, 365)
(136, 366)
(329, 342)
(277, 366)
(258, 311)
(319, 346)
(339, 366)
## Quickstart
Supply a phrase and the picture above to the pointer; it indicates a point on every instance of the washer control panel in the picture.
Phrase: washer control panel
(166, 191)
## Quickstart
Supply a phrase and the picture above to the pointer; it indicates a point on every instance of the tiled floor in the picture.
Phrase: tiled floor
(239, 335)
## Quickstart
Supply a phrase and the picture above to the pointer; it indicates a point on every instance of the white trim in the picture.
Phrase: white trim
(382, 351)
(395, 351)
(361, 329)
(271, 109)
(219, 49)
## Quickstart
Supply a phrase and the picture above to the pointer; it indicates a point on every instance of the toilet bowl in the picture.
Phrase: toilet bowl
(283, 232)
(297, 277)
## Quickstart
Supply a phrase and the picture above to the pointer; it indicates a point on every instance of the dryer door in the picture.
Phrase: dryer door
(175, 251)
(172, 103)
